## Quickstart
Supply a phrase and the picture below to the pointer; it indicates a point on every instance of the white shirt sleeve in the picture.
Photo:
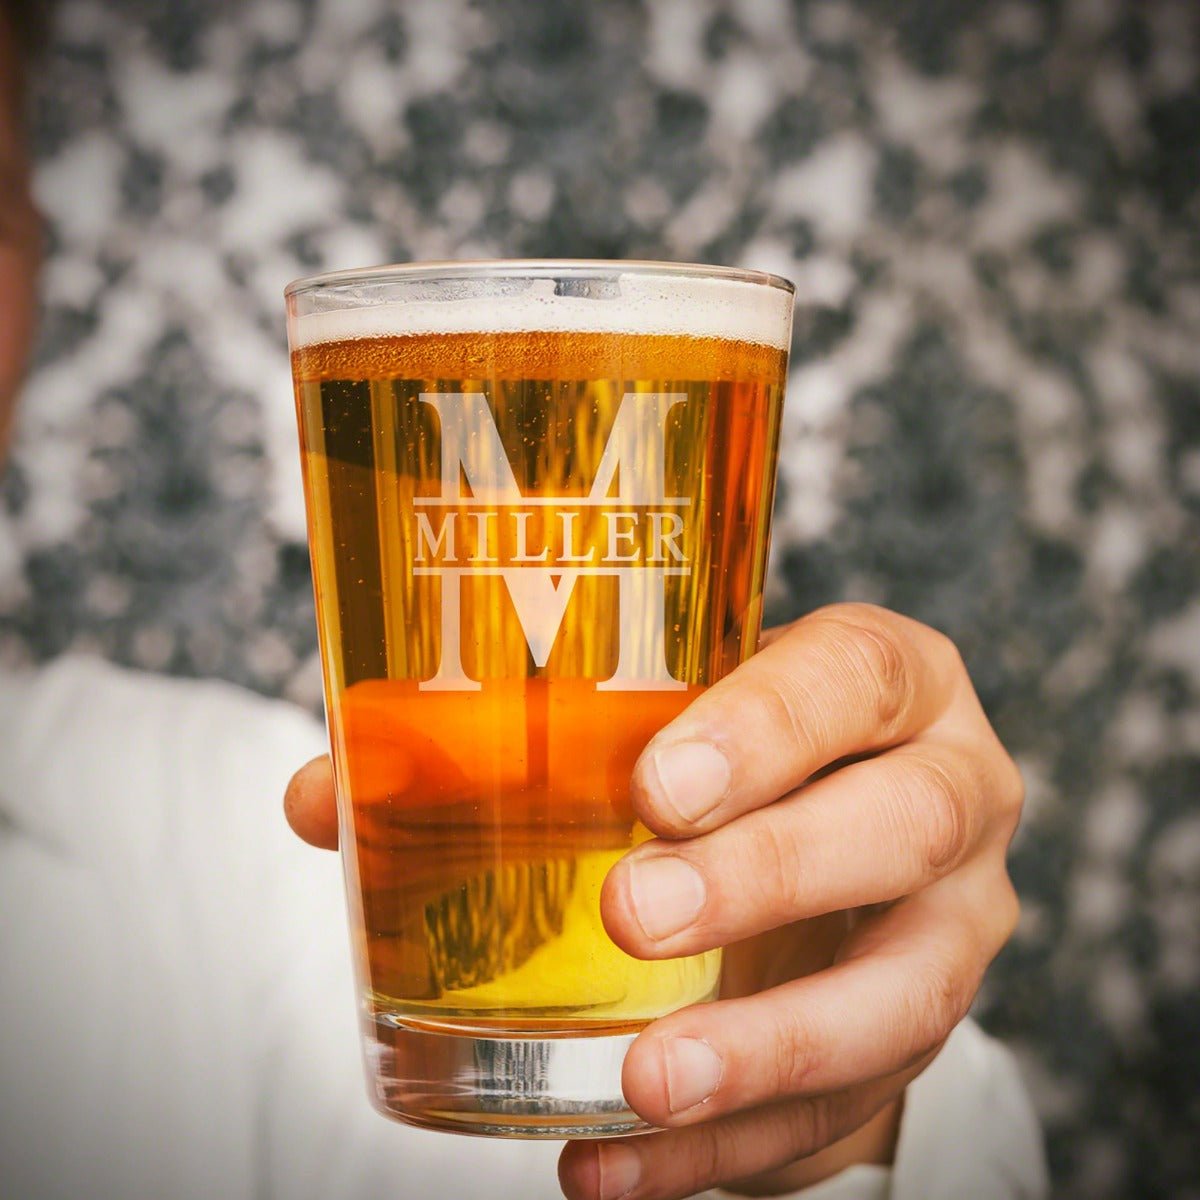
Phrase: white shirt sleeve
(180, 1017)
(179, 1010)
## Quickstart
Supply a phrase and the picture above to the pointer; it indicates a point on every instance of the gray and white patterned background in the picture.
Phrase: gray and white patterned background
(991, 210)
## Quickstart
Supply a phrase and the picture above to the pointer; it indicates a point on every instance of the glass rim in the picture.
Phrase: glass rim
(532, 268)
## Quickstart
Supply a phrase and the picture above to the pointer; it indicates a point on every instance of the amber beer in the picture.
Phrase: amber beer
(539, 498)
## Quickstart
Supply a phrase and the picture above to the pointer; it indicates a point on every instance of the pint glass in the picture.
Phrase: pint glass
(539, 497)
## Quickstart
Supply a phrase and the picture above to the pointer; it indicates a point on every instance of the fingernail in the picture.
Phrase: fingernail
(620, 1169)
(693, 1070)
(667, 895)
(691, 778)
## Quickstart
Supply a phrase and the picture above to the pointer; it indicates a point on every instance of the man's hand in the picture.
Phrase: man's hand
(836, 812)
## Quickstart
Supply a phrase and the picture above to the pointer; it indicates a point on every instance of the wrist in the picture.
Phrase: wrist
(873, 1143)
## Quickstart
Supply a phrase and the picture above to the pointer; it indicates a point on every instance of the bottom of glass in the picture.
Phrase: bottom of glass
(497, 1082)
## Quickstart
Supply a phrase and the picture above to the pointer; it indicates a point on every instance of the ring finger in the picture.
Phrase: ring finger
(905, 978)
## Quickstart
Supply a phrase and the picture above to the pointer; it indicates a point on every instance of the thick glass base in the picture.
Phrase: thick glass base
(501, 1082)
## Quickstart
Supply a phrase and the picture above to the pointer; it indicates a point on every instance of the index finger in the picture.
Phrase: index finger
(844, 680)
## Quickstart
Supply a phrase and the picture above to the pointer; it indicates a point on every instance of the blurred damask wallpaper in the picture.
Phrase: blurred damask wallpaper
(992, 213)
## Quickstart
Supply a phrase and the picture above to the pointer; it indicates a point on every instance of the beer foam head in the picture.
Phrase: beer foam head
(609, 298)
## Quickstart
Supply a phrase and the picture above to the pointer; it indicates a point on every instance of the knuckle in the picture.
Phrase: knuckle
(795, 1050)
(937, 1003)
(875, 656)
(997, 794)
(929, 813)
(1006, 912)
(773, 868)
(944, 650)
(1010, 790)
(948, 816)
(811, 1126)
(784, 708)
(715, 1155)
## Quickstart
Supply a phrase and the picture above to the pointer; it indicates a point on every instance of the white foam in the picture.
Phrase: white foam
(731, 309)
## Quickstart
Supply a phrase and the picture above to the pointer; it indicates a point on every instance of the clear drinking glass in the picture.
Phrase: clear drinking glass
(539, 498)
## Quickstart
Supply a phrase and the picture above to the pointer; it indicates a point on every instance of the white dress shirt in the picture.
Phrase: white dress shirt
(175, 985)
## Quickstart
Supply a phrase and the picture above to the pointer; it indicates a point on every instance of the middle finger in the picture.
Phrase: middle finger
(872, 832)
